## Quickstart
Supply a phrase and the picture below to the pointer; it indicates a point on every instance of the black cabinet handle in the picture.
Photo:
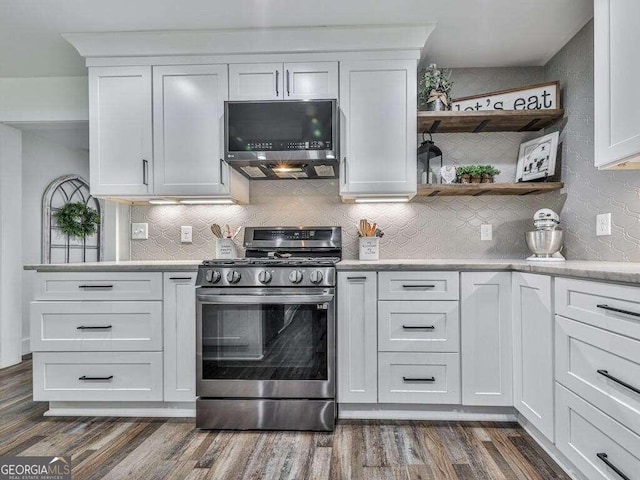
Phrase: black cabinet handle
(104, 379)
(145, 172)
(605, 458)
(618, 310)
(356, 278)
(418, 286)
(96, 327)
(277, 77)
(605, 373)
(419, 327)
(408, 379)
(179, 278)
(288, 92)
(95, 286)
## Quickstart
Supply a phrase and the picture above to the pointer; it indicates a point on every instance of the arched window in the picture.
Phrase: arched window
(58, 247)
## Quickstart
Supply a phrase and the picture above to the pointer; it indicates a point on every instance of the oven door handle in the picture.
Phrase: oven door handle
(264, 299)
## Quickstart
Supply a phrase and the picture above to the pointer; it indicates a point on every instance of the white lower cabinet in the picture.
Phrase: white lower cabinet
(419, 378)
(97, 376)
(598, 445)
(179, 337)
(533, 378)
(357, 331)
(486, 339)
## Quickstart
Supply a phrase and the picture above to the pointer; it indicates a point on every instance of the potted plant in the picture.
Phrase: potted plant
(434, 89)
(469, 174)
(489, 172)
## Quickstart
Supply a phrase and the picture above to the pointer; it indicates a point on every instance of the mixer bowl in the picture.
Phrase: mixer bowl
(544, 243)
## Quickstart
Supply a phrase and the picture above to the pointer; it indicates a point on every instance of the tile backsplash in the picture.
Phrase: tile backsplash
(447, 227)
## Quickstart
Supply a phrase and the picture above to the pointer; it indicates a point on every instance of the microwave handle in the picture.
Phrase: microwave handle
(263, 299)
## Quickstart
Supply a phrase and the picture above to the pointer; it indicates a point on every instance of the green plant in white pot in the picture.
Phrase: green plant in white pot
(434, 89)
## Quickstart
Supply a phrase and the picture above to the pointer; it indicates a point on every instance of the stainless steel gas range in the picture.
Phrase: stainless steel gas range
(266, 332)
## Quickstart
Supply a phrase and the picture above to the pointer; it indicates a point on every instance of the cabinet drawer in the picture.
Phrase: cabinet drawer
(96, 326)
(419, 378)
(593, 363)
(418, 286)
(418, 327)
(590, 439)
(604, 305)
(100, 286)
(97, 376)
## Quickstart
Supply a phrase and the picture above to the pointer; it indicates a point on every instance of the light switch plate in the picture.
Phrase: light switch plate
(139, 231)
(486, 232)
(603, 224)
(186, 234)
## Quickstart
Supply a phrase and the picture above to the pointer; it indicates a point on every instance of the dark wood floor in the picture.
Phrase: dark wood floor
(117, 448)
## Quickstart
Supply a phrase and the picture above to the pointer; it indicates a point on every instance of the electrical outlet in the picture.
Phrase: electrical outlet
(139, 231)
(603, 224)
(186, 234)
(486, 232)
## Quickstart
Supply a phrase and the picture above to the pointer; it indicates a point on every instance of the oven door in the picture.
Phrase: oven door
(265, 343)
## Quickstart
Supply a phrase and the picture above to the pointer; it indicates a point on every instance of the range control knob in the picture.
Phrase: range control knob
(316, 276)
(233, 276)
(264, 277)
(212, 276)
(295, 276)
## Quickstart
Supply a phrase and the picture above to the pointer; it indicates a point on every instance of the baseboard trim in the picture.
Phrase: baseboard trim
(363, 411)
(122, 409)
(551, 449)
(26, 346)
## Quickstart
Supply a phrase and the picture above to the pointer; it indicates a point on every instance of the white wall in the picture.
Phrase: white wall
(43, 160)
(10, 245)
(53, 99)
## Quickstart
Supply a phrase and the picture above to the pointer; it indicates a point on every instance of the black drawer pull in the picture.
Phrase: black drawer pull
(408, 379)
(618, 310)
(605, 373)
(179, 278)
(605, 458)
(418, 286)
(419, 327)
(95, 286)
(95, 327)
(104, 379)
(356, 278)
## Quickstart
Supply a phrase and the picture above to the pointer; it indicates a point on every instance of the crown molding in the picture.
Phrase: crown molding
(251, 41)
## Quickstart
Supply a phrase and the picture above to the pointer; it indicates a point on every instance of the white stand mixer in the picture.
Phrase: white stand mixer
(546, 241)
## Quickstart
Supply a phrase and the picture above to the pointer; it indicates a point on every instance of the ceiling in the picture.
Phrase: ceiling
(469, 33)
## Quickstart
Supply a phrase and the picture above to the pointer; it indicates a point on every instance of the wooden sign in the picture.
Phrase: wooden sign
(542, 96)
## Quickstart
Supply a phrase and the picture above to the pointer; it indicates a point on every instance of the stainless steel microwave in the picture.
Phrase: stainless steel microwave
(282, 139)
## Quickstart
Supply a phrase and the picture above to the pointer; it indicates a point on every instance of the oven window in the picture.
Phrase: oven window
(264, 342)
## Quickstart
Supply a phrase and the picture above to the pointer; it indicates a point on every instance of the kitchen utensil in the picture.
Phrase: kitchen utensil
(215, 229)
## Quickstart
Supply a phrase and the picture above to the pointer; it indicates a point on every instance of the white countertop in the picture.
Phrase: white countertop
(610, 271)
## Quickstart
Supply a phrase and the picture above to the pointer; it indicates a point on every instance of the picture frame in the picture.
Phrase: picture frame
(537, 158)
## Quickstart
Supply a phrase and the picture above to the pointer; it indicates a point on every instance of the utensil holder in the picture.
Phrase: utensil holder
(226, 248)
(369, 248)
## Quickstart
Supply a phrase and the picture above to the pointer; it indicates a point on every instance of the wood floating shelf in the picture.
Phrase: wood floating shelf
(478, 189)
(487, 121)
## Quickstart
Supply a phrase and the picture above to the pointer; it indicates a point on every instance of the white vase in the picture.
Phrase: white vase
(226, 249)
(369, 248)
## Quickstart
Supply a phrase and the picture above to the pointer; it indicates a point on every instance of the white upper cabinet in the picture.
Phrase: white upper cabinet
(188, 110)
(533, 348)
(288, 81)
(378, 111)
(617, 68)
(487, 353)
(121, 150)
(311, 80)
(256, 81)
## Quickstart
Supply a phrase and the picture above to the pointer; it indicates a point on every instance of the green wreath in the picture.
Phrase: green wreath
(77, 219)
